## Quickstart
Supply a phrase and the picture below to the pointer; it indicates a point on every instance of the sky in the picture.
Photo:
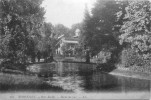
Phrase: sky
(66, 12)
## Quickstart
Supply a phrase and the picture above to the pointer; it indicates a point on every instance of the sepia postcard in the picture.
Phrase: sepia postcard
(75, 49)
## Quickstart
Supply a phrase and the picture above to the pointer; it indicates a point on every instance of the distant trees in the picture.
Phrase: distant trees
(74, 27)
(60, 29)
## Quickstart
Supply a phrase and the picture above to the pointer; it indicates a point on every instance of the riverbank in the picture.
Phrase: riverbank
(120, 71)
(74, 60)
(17, 80)
(127, 73)
(77, 62)
(20, 82)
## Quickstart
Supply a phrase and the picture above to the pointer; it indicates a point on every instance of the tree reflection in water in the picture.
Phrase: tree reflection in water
(78, 77)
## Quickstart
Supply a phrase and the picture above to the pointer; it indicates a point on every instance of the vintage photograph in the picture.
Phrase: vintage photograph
(75, 49)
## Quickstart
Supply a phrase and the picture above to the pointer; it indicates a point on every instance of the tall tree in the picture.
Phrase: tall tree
(98, 28)
(20, 22)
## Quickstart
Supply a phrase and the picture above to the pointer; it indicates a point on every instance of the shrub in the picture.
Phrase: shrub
(135, 61)
(103, 56)
(129, 58)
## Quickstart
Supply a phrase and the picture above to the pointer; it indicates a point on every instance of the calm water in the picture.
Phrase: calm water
(76, 77)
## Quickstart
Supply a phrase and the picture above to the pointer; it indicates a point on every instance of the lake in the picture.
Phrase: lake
(85, 78)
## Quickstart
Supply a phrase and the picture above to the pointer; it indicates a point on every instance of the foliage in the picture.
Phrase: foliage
(99, 30)
(134, 61)
(136, 33)
(136, 29)
(120, 17)
(74, 27)
(60, 29)
(21, 22)
(79, 52)
(129, 57)
(44, 42)
(103, 56)
(145, 68)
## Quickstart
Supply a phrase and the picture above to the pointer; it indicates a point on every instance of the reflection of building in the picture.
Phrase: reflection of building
(66, 46)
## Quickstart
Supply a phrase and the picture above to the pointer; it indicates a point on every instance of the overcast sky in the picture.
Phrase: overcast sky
(66, 12)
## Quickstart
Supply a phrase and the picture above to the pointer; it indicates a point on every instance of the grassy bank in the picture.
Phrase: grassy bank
(13, 82)
(135, 68)
(120, 70)
(74, 60)
(130, 73)
(78, 62)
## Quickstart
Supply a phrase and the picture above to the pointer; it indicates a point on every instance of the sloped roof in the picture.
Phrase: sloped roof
(61, 36)
(71, 39)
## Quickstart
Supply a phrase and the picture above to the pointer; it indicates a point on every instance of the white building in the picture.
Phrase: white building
(68, 43)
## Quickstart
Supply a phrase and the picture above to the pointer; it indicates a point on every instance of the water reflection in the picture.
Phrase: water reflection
(78, 77)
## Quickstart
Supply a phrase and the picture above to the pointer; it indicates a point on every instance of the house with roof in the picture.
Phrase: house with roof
(66, 46)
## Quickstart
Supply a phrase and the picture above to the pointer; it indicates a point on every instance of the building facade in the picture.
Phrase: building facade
(67, 46)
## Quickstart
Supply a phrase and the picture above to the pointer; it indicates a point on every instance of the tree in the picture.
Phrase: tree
(137, 27)
(61, 30)
(20, 21)
(74, 27)
(87, 31)
(45, 43)
(98, 28)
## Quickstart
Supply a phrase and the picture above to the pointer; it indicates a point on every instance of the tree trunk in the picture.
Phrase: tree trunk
(87, 56)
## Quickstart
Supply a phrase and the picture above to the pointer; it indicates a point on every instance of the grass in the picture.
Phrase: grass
(12, 82)
(127, 72)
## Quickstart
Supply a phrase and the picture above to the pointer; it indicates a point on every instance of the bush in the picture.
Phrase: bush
(145, 68)
(135, 61)
(8, 64)
(103, 56)
(129, 58)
